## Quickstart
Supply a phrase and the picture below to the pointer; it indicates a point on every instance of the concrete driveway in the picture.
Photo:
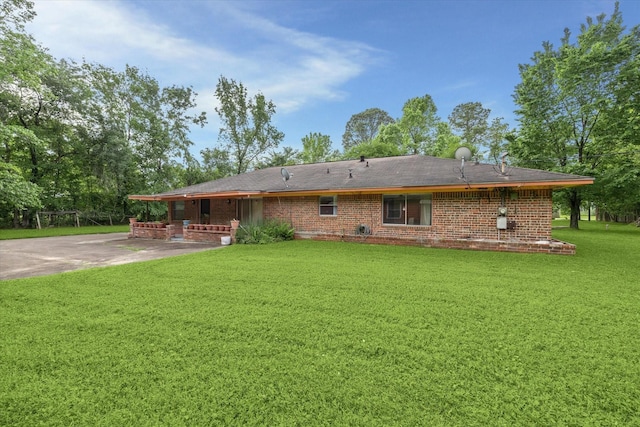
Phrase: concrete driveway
(50, 255)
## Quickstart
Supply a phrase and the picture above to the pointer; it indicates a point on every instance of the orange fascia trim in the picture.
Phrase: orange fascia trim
(142, 197)
(379, 190)
(190, 196)
(434, 189)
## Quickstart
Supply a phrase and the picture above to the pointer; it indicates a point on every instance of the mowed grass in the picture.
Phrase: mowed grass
(317, 333)
(6, 234)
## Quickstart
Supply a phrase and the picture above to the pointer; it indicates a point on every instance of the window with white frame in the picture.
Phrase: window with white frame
(328, 205)
(406, 209)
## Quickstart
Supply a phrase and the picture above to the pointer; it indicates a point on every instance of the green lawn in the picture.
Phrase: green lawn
(318, 333)
(6, 234)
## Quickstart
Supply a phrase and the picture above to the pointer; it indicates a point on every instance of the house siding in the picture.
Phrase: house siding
(461, 220)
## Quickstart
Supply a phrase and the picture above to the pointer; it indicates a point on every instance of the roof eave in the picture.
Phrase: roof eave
(434, 188)
(189, 196)
(463, 186)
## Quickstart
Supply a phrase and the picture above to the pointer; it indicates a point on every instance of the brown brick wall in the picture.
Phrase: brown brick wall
(469, 215)
(472, 215)
(204, 235)
(221, 212)
(149, 230)
(459, 220)
(303, 213)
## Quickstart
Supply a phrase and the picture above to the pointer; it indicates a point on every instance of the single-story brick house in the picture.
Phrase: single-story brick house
(406, 200)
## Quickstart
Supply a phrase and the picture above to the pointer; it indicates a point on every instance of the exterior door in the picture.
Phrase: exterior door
(205, 211)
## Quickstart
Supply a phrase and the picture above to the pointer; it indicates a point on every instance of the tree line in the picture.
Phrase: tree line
(83, 136)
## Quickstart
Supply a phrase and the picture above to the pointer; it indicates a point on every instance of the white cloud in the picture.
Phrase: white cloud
(107, 32)
(292, 67)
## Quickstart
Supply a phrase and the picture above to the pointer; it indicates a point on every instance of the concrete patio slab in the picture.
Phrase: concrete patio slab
(51, 255)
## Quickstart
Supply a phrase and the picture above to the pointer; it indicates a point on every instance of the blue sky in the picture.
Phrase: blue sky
(321, 62)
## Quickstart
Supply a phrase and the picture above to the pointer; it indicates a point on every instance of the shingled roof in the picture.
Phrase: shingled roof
(380, 175)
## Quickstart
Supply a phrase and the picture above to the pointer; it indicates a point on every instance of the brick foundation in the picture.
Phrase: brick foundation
(549, 247)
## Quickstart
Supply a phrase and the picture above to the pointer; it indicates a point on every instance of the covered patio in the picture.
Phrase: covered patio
(199, 217)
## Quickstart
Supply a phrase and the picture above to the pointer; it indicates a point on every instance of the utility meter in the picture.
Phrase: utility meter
(501, 223)
(502, 211)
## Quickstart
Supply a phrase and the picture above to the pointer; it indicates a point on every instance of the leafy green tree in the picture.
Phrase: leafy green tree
(13, 138)
(16, 193)
(578, 106)
(389, 134)
(497, 135)
(415, 131)
(44, 97)
(191, 173)
(139, 135)
(363, 127)
(418, 125)
(372, 149)
(157, 126)
(14, 14)
(216, 163)
(111, 139)
(470, 120)
(25, 100)
(617, 188)
(86, 135)
(246, 131)
(287, 157)
(446, 142)
(316, 148)
(24, 67)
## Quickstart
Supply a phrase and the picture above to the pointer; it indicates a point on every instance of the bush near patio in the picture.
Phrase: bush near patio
(330, 333)
(267, 232)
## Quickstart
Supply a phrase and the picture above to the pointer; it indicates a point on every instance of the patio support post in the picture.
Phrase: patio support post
(234, 228)
(132, 230)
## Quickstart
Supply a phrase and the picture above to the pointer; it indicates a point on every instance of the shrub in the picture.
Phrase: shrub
(268, 232)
